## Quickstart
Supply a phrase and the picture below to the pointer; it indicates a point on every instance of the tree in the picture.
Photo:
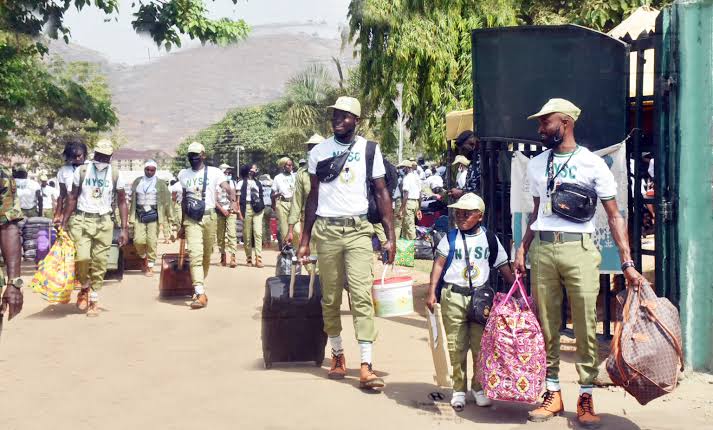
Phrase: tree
(426, 45)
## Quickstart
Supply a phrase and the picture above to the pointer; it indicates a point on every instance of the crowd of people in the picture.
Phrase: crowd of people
(332, 206)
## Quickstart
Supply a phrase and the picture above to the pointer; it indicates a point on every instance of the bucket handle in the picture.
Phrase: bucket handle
(293, 275)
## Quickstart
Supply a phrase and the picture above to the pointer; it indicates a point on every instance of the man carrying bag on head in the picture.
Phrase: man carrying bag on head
(337, 218)
(566, 181)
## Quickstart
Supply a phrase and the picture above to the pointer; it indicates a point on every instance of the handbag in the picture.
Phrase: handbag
(330, 168)
(573, 202)
(482, 299)
(405, 253)
(146, 217)
(256, 201)
(195, 209)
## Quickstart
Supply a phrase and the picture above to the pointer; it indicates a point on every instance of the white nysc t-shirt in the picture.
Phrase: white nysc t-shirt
(284, 185)
(478, 253)
(584, 168)
(97, 190)
(346, 195)
(27, 193)
(412, 186)
(192, 183)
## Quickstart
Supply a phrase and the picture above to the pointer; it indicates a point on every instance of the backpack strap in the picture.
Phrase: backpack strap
(452, 235)
(492, 245)
(370, 154)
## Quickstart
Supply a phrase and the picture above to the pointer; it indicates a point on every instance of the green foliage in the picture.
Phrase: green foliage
(426, 45)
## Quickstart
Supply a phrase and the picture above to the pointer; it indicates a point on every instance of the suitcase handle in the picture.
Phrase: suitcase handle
(293, 275)
(182, 253)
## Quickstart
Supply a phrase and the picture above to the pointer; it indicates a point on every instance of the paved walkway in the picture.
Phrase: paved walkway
(147, 364)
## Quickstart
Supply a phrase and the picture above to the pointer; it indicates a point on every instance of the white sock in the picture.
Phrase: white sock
(588, 389)
(336, 343)
(93, 296)
(199, 289)
(151, 264)
(552, 384)
(365, 348)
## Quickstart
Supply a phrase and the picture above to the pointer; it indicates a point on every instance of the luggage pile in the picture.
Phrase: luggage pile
(30, 230)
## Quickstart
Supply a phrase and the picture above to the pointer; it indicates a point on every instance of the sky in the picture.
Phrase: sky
(114, 37)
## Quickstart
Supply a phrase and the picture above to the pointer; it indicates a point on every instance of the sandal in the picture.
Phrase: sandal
(458, 401)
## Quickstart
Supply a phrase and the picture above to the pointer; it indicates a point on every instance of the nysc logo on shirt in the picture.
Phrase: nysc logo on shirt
(194, 183)
(96, 182)
(474, 272)
(348, 175)
(477, 253)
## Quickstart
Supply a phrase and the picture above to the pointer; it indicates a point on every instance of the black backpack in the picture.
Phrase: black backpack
(391, 178)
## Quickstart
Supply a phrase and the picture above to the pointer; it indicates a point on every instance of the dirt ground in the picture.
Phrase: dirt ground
(146, 364)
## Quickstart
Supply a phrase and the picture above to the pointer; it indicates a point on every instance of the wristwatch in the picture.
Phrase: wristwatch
(625, 265)
(17, 283)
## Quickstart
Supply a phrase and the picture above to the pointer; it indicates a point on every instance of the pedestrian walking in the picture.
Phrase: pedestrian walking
(227, 220)
(88, 216)
(201, 185)
(28, 192)
(463, 267)
(562, 252)
(336, 218)
(283, 189)
(299, 199)
(252, 205)
(49, 197)
(150, 207)
(267, 213)
(10, 246)
(411, 200)
(75, 154)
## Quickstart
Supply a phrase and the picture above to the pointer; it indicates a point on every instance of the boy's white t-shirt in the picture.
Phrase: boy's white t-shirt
(252, 185)
(27, 193)
(192, 182)
(346, 195)
(97, 190)
(584, 168)
(478, 251)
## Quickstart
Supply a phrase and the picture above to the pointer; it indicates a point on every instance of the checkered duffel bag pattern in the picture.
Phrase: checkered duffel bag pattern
(512, 356)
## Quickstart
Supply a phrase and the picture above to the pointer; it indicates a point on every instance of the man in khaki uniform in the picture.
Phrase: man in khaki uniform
(201, 183)
(150, 208)
(299, 200)
(10, 214)
(88, 215)
(283, 189)
(562, 253)
(335, 216)
(410, 200)
(49, 197)
(227, 219)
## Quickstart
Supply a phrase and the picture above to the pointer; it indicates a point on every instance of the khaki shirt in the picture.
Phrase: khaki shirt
(163, 200)
(299, 199)
(9, 203)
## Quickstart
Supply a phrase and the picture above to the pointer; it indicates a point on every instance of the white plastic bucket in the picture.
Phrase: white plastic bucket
(393, 297)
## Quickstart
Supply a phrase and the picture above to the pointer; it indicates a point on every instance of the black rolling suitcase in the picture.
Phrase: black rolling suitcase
(292, 325)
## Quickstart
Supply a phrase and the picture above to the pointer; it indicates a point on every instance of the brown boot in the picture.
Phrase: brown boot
(249, 262)
(93, 309)
(339, 367)
(368, 379)
(233, 261)
(551, 406)
(148, 271)
(258, 262)
(222, 259)
(585, 411)
(83, 300)
(199, 301)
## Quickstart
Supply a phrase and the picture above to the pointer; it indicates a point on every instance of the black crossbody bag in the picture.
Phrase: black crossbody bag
(573, 202)
(330, 168)
(195, 209)
(482, 300)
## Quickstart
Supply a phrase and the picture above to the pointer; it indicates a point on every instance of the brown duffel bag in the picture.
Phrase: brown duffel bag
(646, 354)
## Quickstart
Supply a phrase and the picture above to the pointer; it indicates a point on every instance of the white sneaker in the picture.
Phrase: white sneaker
(458, 401)
(481, 399)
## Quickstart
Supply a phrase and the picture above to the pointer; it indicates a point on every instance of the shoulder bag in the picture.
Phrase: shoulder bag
(195, 209)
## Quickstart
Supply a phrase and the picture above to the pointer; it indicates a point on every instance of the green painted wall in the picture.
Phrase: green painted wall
(695, 203)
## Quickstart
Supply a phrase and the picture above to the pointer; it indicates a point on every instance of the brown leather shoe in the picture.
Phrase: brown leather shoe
(222, 259)
(339, 367)
(249, 261)
(199, 301)
(233, 261)
(368, 379)
(585, 411)
(83, 299)
(551, 407)
(258, 262)
(93, 309)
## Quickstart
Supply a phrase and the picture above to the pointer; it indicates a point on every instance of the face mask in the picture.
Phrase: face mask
(195, 162)
(100, 165)
(229, 177)
(553, 141)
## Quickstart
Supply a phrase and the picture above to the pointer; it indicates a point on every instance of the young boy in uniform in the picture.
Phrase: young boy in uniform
(469, 269)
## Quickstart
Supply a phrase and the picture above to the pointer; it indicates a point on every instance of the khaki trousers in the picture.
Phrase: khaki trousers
(346, 257)
(146, 239)
(200, 238)
(227, 236)
(252, 232)
(92, 237)
(574, 265)
(408, 224)
(462, 336)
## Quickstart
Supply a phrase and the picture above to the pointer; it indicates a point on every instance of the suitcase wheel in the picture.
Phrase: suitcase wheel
(318, 363)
